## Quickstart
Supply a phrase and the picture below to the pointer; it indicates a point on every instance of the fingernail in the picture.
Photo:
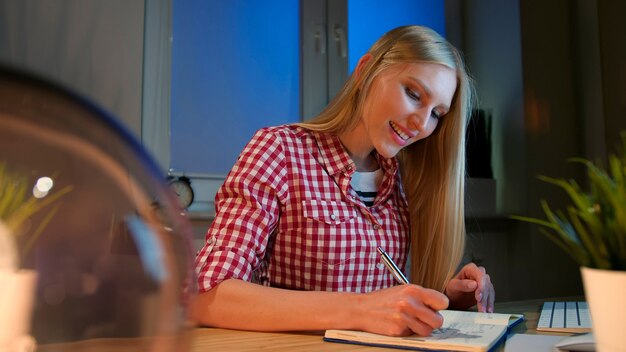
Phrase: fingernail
(480, 297)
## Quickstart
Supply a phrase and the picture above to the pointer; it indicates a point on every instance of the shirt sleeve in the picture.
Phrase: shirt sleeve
(247, 212)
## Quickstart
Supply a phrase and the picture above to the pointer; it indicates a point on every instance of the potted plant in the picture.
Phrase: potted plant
(19, 201)
(592, 230)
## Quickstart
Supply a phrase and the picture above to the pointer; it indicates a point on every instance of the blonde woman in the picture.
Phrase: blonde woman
(302, 212)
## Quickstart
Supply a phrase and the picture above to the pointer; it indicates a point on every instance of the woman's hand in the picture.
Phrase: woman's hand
(471, 286)
(402, 310)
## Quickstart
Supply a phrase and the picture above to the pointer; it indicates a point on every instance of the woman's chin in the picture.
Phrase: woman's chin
(387, 152)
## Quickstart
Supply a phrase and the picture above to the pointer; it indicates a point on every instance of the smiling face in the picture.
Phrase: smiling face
(405, 103)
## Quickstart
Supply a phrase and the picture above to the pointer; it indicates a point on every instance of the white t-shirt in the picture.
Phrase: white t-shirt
(366, 185)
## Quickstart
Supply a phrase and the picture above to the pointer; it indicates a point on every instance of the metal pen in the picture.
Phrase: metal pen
(392, 267)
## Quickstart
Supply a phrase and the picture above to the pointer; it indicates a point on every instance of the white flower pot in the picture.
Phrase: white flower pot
(605, 291)
(17, 293)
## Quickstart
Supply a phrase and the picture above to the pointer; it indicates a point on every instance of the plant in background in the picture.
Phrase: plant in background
(593, 228)
(18, 202)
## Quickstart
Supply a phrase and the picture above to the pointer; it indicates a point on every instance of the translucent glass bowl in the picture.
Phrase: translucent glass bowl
(114, 260)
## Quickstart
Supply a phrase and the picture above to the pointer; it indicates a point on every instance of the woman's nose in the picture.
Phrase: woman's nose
(419, 121)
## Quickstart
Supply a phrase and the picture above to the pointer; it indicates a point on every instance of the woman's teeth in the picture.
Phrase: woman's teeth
(399, 132)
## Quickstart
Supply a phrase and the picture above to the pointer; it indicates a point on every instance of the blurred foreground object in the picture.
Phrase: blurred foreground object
(112, 256)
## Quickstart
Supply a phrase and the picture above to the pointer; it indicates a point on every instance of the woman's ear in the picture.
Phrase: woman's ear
(363, 61)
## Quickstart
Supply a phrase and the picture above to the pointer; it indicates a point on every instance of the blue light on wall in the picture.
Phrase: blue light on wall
(369, 19)
(235, 68)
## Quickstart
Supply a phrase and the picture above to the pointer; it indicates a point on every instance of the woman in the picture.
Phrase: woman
(306, 205)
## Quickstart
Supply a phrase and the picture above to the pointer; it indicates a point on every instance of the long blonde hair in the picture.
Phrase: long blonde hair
(432, 169)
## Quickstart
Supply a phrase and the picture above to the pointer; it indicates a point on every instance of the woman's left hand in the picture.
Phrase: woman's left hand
(470, 286)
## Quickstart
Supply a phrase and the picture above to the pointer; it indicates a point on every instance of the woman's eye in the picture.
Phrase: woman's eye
(412, 94)
(435, 115)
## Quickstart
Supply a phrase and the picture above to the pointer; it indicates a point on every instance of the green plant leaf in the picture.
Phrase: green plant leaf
(595, 247)
(32, 206)
(561, 225)
(593, 230)
(575, 252)
(17, 205)
(572, 189)
(533, 220)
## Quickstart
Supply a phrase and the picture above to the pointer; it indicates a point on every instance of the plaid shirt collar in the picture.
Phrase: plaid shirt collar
(336, 160)
(335, 157)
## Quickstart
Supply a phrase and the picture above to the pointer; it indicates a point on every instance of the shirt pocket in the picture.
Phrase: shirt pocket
(329, 212)
(331, 234)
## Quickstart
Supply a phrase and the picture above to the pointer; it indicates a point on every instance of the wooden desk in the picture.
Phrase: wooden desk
(210, 339)
(215, 340)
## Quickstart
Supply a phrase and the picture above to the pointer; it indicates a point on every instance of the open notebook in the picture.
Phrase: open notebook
(461, 331)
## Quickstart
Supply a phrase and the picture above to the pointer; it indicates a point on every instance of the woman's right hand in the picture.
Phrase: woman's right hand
(402, 310)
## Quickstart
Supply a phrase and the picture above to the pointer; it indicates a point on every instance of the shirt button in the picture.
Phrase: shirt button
(333, 216)
(376, 227)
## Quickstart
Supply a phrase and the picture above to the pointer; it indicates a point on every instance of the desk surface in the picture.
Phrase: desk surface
(212, 339)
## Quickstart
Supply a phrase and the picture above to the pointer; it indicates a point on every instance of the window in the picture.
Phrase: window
(240, 65)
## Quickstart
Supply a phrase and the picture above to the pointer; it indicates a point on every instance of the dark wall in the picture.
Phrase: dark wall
(571, 59)
(612, 29)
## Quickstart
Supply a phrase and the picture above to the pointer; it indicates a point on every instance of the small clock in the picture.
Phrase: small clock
(181, 186)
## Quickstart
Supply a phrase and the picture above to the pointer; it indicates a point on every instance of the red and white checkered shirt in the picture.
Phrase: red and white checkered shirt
(287, 217)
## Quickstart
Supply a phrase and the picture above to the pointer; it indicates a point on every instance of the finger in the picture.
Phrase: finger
(485, 294)
(419, 327)
(421, 303)
(491, 303)
(429, 317)
(466, 270)
(418, 316)
(456, 287)
(433, 299)
(481, 307)
(479, 294)
(492, 299)
(483, 282)
(424, 321)
(472, 271)
(486, 305)
(467, 285)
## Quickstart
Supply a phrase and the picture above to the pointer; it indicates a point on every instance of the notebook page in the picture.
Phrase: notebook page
(475, 318)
